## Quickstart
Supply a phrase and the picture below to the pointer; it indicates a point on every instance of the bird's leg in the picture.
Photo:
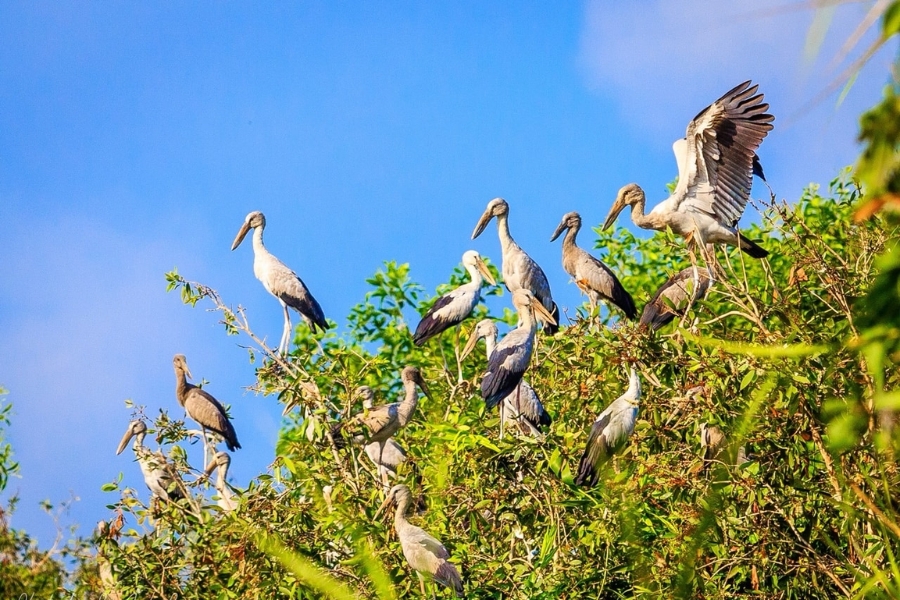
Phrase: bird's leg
(459, 372)
(421, 583)
(444, 359)
(286, 334)
(502, 416)
(205, 447)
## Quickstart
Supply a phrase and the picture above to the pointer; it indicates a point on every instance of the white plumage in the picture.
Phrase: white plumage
(159, 474)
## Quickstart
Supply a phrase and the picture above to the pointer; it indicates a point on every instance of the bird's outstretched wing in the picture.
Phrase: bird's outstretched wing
(716, 156)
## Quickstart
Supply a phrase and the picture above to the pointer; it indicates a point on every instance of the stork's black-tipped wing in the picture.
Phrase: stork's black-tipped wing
(296, 295)
(595, 454)
(505, 369)
(208, 412)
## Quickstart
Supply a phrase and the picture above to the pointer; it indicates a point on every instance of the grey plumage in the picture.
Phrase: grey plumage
(590, 274)
(280, 281)
(523, 405)
(715, 446)
(610, 430)
(221, 463)
(159, 475)
(716, 162)
(512, 356)
(389, 458)
(201, 406)
(519, 270)
(672, 298)
(424, 553)
(454, 307)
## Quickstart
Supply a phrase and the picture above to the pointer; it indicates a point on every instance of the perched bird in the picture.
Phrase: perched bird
(519, 270)
(716, 162)
(672, 298)
(714, 443)
(456, 306)
(159, 474)
(609, 432)
(382, 422)
(226, 499)
(393, 455)
(280, 281)
(424, 553)
(522, 404)
(202, 407)
(512, 356)
(591, 276)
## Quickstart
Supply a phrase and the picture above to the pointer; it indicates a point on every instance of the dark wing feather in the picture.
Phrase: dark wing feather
(670, 298)
(500, 380)
(595, 453)
(448, 576)
(430, 326)
(206, 410)
(304, 303)
(605, 283)
(528, 406)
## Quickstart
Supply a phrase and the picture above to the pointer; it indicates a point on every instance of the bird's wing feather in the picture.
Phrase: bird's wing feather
(285, 285)
(449, 310)
(602, 280)
(377, 419)
(416, 536)
(527, 404)
(506, 366)
(668, 301)
(715, 160)
(521, 272)
(206, 410)
(595, 451)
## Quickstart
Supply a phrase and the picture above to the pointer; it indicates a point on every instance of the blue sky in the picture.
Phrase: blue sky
(134, 138)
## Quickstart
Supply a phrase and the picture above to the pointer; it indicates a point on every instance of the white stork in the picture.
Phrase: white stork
(523, 403)
(716, 162)
(424, 553)
(202, 407)
(609, 432)
(280, 281)
(159, 474)
(512, 356)
(454, 307)
(519, 270)
(590, 274)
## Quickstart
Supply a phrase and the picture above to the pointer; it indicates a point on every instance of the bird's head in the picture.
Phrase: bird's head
(495, 208)
(486, 328)
(180, 364)
(570, 220)
(397, 496)
(524, 300)
(366, 394)
(252, 220)
(472, 260)
(412, 374)
(135, 428)
(629, 195)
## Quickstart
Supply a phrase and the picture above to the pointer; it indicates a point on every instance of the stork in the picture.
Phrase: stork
(456, 306)
(159, 474)
(510, 359)
(280, 281)
(523, 403)
(389, 460)
(519, 270)
(202, 407)
(609, 432)
(713, 442)
(716, 163)
(591, 276)
(424, 553)
(673, 298)
(382, 422)
(226, 499)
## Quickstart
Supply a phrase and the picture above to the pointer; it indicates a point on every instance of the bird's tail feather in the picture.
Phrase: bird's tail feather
(447, 575)
(338, 436)
(753, 249)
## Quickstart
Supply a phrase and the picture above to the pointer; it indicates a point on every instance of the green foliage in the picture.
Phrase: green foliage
(773, 356)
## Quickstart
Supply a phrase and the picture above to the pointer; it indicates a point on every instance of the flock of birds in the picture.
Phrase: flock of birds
(716, 163)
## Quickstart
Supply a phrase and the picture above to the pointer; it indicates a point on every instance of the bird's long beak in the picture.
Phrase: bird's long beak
(384, 505)
(562, 227)
(124, 443)
(424, 387)
(542, 313)
(470, 345)
(617, 207)
(482, 267)
(482, 223)
(240, 236)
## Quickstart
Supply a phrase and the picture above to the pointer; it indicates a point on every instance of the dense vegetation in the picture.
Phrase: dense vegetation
(793, 357)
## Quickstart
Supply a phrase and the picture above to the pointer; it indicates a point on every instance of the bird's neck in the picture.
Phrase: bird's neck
(569, 240)
(506, 240)
(475, 275)
(638, 217)
(408, 406)
(181, 386)
(138, 445)
(490, 342)
(400, 514)
(258, 246)
(526, 319)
